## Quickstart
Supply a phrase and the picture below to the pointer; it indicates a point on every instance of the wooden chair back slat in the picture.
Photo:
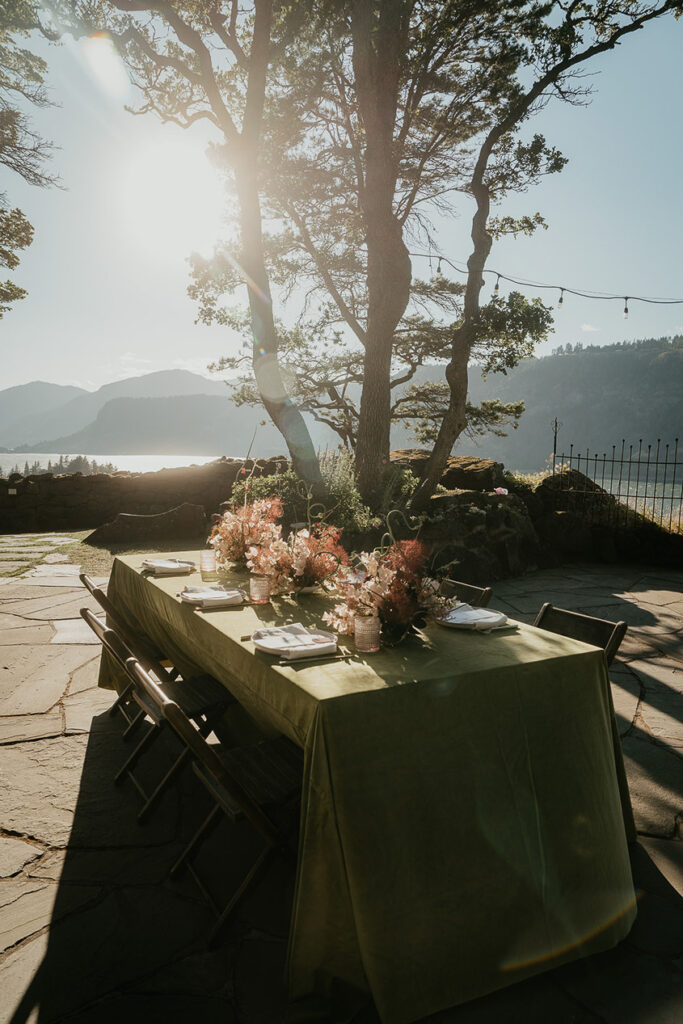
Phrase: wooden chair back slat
(478, 597)
(587, 628)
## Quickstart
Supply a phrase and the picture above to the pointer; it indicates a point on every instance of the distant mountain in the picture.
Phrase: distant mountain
(38, 423)
(27, 400)
(192, 424)
(598, 394)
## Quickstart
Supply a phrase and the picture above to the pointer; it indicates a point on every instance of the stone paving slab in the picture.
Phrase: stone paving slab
(10, 621)
(29, 904)
(81, 708)
(34, 678)
(19, 588)
(36, 633)
(654, 778)
(85, 677)
(56, 792)
(11, 566)
(625, 986)
(47, 581)
(17, 728)
(73, 631)
(65, 605)
(40, 788)
(104, 965)
(52, 571)
(15, 854)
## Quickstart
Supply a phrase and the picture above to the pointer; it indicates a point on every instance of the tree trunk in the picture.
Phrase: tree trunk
(280, 407)
(455, 420)
(379, 42)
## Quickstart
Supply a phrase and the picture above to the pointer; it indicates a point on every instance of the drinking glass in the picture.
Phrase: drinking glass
(207, 566)
(366, 633)
(259, 589)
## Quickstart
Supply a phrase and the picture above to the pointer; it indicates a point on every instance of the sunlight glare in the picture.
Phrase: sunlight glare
(172, 199)
(105, 65)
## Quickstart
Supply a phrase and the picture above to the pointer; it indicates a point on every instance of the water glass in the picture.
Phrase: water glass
(207, 566)
(259, 589)
(366, 633)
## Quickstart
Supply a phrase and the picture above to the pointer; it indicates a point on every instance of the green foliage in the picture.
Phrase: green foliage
(284, 484)
(22, 75)
(77, 464)
(343, 505)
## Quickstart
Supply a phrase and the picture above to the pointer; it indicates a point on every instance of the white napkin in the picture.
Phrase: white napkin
(167, 566)
(295, 641)
(212, 597)
(464, 616)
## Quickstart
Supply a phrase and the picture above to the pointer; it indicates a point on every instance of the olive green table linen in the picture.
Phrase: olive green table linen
(460, 823)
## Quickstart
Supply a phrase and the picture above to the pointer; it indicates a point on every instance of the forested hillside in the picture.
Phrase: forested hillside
(599, 395)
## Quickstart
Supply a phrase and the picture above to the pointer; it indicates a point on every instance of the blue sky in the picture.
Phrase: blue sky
(107, 276)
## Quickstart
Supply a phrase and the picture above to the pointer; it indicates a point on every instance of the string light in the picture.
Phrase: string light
(604, 296)
(438, 270)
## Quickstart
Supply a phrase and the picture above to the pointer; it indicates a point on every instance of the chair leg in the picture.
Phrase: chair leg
(202, 832)
(134, 757)
(120, 700)
(249, 880)
(133, 724)
(152, 799)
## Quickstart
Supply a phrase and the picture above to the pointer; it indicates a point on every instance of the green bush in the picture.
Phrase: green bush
(343, 506)
(284, 484)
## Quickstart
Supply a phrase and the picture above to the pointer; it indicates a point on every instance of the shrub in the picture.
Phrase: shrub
(343, 506)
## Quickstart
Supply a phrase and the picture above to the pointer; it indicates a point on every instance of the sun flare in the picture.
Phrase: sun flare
(171, 199)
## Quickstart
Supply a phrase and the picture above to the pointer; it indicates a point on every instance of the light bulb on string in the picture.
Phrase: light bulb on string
(497, 288)
(561, 299)
(438, 270)
(626, 307)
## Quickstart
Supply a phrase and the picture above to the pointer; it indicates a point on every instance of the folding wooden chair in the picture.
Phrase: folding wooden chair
(260, 783)
(478, 597)
(608, 635)
(202, 698)
(141, 644)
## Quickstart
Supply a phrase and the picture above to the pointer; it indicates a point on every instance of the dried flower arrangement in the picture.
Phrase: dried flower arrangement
(244, 527)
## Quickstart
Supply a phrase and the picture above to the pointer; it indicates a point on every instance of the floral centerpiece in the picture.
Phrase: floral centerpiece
(307, 559)
(393, 587)
(251, 525)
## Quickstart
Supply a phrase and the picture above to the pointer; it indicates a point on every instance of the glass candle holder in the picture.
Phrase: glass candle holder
(366, 633)
(259, 589)
(207, 566)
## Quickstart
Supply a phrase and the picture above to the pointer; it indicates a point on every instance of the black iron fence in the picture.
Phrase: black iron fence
(635, 481)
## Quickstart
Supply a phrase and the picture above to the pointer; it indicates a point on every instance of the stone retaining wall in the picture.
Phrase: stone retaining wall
(76, 502)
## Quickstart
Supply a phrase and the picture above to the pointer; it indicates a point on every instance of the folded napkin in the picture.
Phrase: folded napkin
(464, 616)
(212, 597)
(294, 642)
(167, 566)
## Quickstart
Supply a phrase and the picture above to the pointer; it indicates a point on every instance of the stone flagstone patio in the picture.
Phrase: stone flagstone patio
(91, 929)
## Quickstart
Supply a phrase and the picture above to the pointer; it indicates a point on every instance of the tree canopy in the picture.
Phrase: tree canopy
(22, 150)
(345, 127)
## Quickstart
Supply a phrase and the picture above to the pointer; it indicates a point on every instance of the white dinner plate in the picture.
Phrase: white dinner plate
(294, 641)
(464, 616)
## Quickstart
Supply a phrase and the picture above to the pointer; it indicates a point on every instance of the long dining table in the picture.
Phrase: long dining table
(460, 824)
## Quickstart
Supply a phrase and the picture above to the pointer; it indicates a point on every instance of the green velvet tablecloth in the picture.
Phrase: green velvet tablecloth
(460, 825)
